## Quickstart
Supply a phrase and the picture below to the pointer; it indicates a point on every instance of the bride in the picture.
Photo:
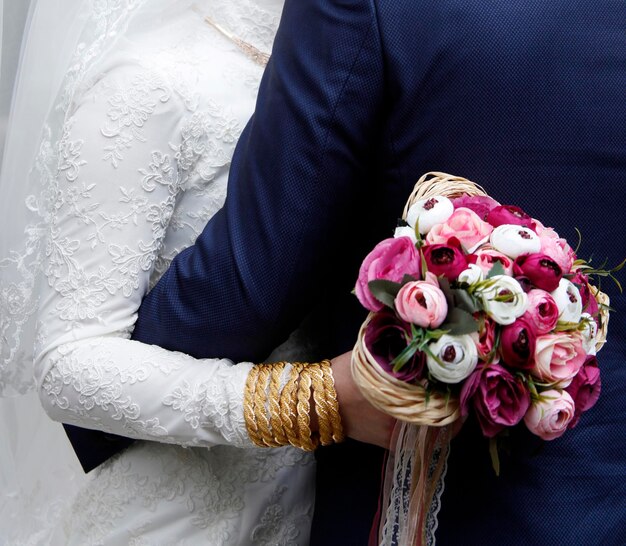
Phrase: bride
(149, 99)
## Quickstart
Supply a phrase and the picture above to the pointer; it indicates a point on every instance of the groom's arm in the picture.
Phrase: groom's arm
(259, 263)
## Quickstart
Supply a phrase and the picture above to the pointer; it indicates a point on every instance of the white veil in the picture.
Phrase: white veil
(39, 472)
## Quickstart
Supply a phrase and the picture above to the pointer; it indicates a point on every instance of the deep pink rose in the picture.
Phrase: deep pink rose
(486, 257)
(585, 388)
(509, 214)
(391, 259)
(485, 337)
(480, 204)
(499, 398)
(590, 304)
(447, 260)
(540, 269)
(550, 416)
(542, 311)
(558, 357)
(422, 303)
(465, 225)
(558, 249)
(517, 344)
(385, 338)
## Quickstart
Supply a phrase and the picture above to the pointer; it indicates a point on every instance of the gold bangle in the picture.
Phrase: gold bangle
(332, 404)
(307, 441)
(249, 409)
(288, 402)
(278, 430)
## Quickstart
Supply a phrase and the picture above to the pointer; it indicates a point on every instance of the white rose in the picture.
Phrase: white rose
(429, 212)
(503, 299)
(568, 300)
(589, 334)
(472, 275)
(455, 359)
(405, 231)
(513, 241)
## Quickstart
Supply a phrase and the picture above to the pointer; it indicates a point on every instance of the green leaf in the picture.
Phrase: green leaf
(406, 355)
(495, 458)
(406, 279)
(460, 322)
(464, 300)
(497, 269)
(384, 291)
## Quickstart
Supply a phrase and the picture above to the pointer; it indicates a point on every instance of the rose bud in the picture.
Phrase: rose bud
(568, 300)
(509, 214)
(585, 388)
(465, 225)
(485, 337)
(590, 304)
(499, 398)
(513, 241)
(589, 333)
(487, 257)
(517, 344)
(550, 416)
(455, 358)
(503, 299)
(405, 231)
(429, 212)
(542, 311)
(558, 249)
(385, 338)
(390, 259)
(558, 358)
(422, 303)
(480, 204)
(540, 269)
(472, 275)
(447, 260)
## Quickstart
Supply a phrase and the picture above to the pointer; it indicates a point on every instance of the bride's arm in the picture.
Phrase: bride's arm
(117, 184)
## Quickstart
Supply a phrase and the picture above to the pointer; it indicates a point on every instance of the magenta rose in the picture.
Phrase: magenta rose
(480, 204)
(391, 259)
(447, 259)
(558, 357)
(557, 248)
(499, 398)
(485, 337)
(585, 388)
(590, 304)
(517, 344)
(385, 338)
(542, 311)
(509, 214)
(422, 303)
(540, 269)
(550, 416)
(465, 225)
(486, 257)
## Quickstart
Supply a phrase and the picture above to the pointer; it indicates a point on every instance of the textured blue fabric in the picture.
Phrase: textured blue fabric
(360, 98)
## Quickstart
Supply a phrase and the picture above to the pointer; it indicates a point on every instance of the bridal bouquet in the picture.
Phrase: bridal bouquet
(475, 307)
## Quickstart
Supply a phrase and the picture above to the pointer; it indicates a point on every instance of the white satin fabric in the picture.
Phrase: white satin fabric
(133, 162)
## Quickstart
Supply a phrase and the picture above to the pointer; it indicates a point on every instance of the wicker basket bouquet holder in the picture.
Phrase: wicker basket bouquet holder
(427, 418)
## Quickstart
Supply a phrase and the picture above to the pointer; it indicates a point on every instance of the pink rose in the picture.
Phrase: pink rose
(422, 303)
(540, 269)
(480, 204)
(509, 214)
(385, 338)
(447, 260)
(590, 304)
(585, 388)
(486, 257)
(499, 398)
(542, 311)
(558, 357)
(558, 249)
(485, 337)
(550, 416)
(517, 344)
(465, 225)
(391, 259)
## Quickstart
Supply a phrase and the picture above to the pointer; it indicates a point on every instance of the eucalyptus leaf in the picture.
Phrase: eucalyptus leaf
(497, 269)
(460, 322)
(384, 291)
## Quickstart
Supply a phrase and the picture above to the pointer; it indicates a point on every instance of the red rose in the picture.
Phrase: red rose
(517, 344)
(509, 214)
(447, 260)
(540, 269)
(585, 388)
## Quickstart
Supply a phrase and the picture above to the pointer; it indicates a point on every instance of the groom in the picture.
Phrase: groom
(360, 98)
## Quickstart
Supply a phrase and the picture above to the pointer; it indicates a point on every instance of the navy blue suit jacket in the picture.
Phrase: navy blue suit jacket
(360, 98)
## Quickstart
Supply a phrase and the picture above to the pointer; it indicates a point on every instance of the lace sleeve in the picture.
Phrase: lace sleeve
(116, 187)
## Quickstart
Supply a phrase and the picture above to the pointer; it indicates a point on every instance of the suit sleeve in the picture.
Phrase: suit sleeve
(261, 261)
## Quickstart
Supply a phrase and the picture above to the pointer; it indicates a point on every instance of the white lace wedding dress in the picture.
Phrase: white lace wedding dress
(139, 167)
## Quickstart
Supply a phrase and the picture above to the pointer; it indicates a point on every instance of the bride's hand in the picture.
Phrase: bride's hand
(361, 421)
